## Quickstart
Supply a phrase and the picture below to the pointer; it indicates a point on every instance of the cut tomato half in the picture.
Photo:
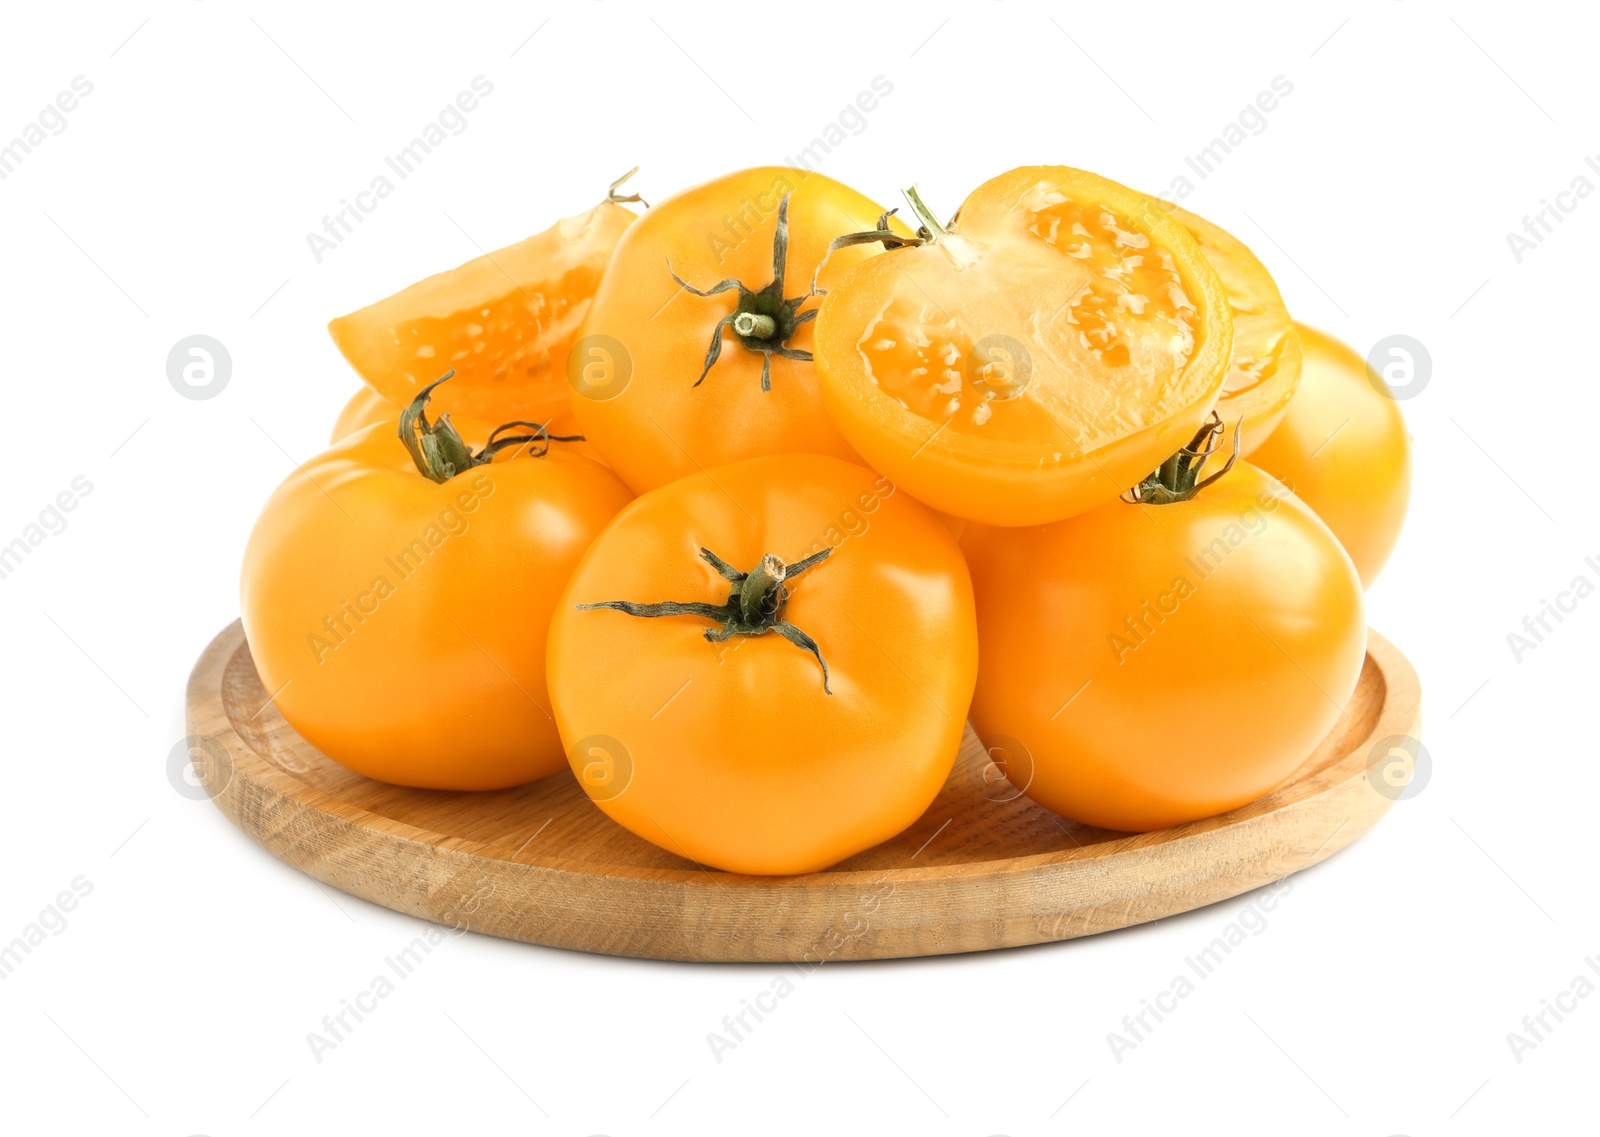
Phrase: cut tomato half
(1033, 360)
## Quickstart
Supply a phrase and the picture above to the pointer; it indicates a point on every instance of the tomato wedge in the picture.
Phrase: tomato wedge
(1034, 359)
(504, 322)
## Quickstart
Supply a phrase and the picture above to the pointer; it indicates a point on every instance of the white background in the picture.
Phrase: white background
(178, 998)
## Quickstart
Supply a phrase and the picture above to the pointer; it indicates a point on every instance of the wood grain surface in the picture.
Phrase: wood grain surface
(983, 868)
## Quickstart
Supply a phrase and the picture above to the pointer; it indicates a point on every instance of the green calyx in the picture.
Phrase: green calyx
(754, 606)
(761, 321)
(1179, 477)
(441, 453)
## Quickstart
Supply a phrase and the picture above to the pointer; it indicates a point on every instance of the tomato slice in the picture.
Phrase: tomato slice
(504, 322)
(1033, 360)
(1266, 348)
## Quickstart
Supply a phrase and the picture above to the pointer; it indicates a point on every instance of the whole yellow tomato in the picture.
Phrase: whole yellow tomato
(1143, 665)
(399, 617)
(766, 667)
(697, 349)
(1343, 448)
(1033, 359)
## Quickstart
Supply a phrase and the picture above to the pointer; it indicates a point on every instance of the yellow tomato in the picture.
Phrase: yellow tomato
(1143, 665)
(1343, 448)
(399, 619)
(801, 694)
(697, 350)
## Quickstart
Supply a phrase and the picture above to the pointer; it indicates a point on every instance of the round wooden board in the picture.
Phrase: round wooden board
(983, 868)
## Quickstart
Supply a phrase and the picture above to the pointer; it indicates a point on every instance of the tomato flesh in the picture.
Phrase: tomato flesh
(1265, 366)
(504, 322)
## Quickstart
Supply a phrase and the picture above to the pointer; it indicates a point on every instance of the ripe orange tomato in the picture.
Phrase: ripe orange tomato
(697, 349)
(803, 695)
(1033, 360)
(400, 621)
(1144, 665)
(1265, 366)
(366, 407)
(503, 322)
(1343, 448)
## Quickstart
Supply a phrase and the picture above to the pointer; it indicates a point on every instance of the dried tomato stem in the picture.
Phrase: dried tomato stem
(1178, 478)
(619, 199)
(440, 452)
(929, 228)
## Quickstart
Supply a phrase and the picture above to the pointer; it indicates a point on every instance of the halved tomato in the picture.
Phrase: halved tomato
(1266, 348)
(1033, 360)
(504, 322)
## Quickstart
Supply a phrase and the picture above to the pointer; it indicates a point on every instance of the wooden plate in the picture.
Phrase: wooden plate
(983, 868)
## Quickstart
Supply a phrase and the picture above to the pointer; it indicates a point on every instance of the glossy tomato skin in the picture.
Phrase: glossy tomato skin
(661, 426)
(1343, 448)
(504, 322)
(366, 407)
(1148, 665)
(965, 370)
(738, 758)
(402, 623)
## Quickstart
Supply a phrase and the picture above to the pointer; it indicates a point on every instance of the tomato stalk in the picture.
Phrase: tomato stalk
(763, 321)
(754, 606)
(928, 227)
(441, 453)
(929, 231)
(616, 198)
(1178, 478)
